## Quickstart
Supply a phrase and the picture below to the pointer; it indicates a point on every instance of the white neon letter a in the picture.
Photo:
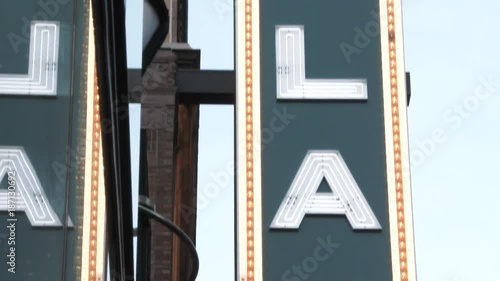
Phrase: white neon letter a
(345, 199)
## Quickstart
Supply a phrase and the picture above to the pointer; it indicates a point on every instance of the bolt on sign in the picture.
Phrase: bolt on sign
(322, 148)
(51, 173)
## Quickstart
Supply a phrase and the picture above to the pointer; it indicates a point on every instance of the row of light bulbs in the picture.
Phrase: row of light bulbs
(403, 262)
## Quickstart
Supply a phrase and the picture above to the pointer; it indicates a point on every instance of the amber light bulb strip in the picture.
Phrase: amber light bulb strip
(96, 138)
(249, 140)
(396, 134)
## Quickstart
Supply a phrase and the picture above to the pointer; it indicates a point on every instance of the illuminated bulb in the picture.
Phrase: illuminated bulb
(249, 81)
(399, 195)
(401, 235)
(249, 164)
(400, 215)
(402, 245)
(249, 71)
(249, 137)
(250, 194)
(249, 90)
(398, 167)
(403, 265)
(248, 25)
(401, 225)
(250, 224)
(249, 109)
(402, 255)
(249, 18)
(404, 276)
(400, 206)
(249, 128)
(249, 54)
(250, 253)
(250, 235)
(248, 35)
(250, 215)
(249, 118)
(249, 155)
(249, 100)
(396, 128)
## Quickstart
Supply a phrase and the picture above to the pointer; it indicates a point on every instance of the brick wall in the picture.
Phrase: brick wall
(158, 112)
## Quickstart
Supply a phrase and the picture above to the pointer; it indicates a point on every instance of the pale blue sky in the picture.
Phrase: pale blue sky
(450, 46)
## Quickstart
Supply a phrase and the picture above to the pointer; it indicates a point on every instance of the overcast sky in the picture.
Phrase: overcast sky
(453, 53)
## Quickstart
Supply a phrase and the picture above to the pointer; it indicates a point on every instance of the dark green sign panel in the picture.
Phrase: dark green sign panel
(342, 123)
(40, 151)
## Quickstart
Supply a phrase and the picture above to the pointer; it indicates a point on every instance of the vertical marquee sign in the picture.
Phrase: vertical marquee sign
(51, 171)
(322, 151)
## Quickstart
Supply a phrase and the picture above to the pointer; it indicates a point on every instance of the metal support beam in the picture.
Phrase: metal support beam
(206, 86)
(408, 88)
(212, 86)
